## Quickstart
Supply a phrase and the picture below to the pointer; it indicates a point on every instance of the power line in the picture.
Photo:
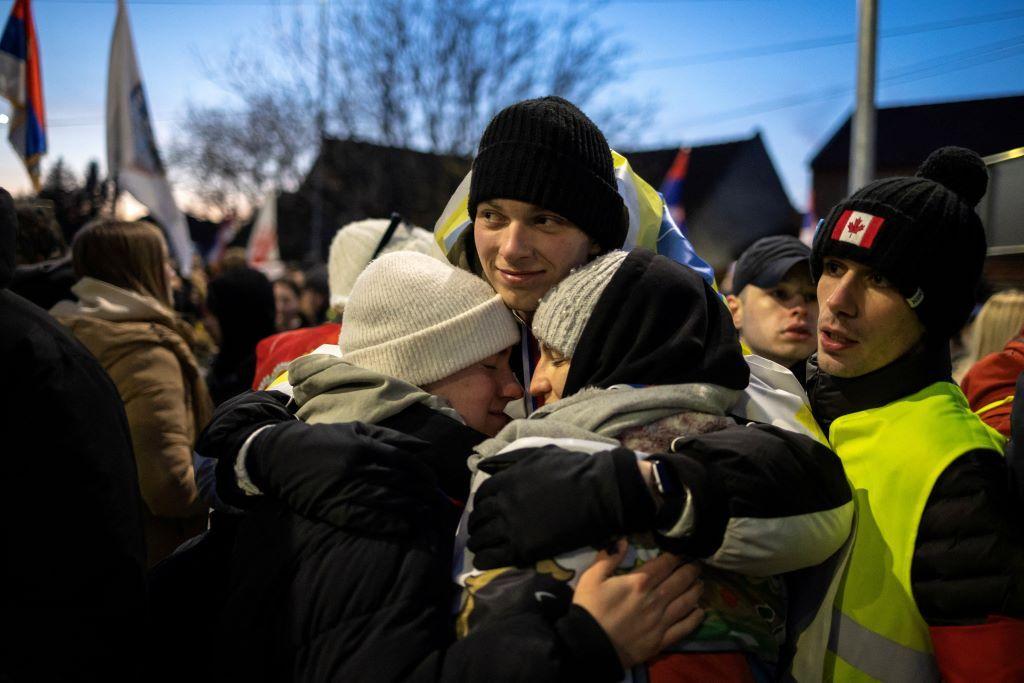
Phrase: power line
(929, 68)
(816, 43)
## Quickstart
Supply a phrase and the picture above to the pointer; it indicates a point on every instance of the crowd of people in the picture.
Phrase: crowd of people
(539, 448)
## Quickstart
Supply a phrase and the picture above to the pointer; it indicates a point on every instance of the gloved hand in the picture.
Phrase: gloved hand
(540, 502)
(237, 418)
(233, 422)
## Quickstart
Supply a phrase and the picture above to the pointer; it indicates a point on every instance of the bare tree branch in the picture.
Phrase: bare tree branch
(425, 74)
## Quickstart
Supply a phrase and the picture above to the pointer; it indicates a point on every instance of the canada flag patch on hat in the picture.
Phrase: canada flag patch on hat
(857, 228)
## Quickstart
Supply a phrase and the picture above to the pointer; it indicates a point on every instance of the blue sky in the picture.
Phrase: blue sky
(675, 51)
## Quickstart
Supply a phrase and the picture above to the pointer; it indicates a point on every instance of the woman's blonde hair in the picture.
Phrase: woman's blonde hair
(127, 254)
(999, 321)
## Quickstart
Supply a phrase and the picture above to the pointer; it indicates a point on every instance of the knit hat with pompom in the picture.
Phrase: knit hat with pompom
(922, 233)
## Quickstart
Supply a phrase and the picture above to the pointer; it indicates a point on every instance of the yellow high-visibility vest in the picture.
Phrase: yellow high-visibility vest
(893, 456)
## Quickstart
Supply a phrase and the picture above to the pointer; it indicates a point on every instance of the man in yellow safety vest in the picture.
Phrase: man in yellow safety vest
(935, 547)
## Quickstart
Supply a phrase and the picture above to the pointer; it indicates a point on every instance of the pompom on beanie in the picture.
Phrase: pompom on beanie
(413, 317)
(921, 232)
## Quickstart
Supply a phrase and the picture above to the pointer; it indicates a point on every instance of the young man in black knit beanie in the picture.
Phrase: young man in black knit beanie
(896, 266)
(543, 199)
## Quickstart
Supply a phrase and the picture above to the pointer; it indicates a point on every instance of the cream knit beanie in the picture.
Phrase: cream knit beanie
(565, 309)
(353, 246)
(412, 317)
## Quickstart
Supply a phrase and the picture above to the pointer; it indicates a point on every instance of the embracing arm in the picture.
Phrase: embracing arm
(763, 500)
(759, 500)
(613, 622)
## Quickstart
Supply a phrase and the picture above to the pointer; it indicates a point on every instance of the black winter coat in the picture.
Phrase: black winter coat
(342, 570)
(72, 577)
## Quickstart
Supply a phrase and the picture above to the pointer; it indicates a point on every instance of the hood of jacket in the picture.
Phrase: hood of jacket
(114, 323)
(644, 419)
(327, 389)
(102, 300)
(657, 322)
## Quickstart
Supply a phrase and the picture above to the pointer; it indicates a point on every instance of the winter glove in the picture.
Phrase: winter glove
(237, 418)
(233, 422)
(540, 502)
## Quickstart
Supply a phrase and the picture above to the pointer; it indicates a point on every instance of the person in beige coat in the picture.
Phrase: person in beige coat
(125, 318)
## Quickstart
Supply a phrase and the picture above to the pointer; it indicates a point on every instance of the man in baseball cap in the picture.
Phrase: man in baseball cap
(773, 301)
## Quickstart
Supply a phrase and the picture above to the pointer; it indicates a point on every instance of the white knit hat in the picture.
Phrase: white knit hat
(564, 311)
(353, 246)
(413, 317)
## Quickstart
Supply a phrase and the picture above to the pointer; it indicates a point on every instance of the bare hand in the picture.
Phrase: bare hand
(645, 610)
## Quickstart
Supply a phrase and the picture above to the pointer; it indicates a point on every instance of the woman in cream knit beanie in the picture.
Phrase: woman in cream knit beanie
(415, 318)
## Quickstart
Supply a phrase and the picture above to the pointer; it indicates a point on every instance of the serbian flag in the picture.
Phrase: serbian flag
(132, 155)
(22, 84)
(672, 187)
(857, 228)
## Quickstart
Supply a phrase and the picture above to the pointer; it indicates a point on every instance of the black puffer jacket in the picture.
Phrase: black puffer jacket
(341, 571)
(969, 553)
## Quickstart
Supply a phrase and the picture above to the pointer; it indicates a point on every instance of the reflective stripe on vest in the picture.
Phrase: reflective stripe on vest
(993, 405)
(877, 656)
(893, 456)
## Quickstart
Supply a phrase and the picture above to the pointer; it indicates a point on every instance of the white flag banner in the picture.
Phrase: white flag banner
(262, 251)
(132, 155)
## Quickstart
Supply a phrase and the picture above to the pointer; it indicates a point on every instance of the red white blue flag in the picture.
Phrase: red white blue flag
(673, 185)
(21, 83)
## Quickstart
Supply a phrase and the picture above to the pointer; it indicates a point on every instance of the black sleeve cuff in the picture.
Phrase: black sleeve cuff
(592, 657)
(710, 509)
(638, 509)
(227, 485)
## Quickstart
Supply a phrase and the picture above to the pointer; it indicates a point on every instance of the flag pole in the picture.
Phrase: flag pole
(862, 133)
(316, 236)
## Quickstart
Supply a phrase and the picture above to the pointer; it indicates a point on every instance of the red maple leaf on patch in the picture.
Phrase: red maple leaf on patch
(855, 227)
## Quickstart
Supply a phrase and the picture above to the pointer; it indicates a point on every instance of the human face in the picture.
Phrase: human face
(548, 381)
(864, 323)
(779, 323)
(287, 307)
(525, 250)
(480, 392)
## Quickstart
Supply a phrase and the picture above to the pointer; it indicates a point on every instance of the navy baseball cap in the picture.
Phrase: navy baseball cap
(766, 261)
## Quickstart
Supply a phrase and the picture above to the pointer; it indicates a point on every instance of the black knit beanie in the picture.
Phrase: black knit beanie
(548, 153)
(922, 233)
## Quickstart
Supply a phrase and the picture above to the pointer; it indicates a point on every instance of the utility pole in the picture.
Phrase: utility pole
(316, 233)
(862, 133)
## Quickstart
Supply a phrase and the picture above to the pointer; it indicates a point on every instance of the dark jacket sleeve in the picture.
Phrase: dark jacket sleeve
(764, 500)
(365, 553)
(969, 554)
(352, 475)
